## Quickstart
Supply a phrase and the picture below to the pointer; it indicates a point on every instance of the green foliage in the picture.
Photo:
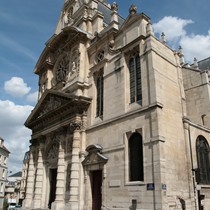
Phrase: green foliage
(5, 204)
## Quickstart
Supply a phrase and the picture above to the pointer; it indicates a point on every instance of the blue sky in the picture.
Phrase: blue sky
(26, 25)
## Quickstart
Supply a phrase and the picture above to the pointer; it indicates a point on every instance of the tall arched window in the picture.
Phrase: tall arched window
(135, 79)
(136, 167)
(202, 149)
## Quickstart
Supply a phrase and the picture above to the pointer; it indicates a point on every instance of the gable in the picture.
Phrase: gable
(55, 106)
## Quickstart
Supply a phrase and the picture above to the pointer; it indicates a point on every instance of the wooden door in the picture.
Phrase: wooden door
(96, 189)
(53, 180)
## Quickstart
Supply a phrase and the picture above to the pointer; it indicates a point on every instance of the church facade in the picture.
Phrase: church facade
(121, 121)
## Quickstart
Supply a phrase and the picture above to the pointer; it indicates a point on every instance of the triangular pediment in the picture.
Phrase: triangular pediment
(133, 18)
(51, 103)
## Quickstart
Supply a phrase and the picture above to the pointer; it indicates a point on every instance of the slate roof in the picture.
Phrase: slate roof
(204, 64)
(18, 174)
(106, 11)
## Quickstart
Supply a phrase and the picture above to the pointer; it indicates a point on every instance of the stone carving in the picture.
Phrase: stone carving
(67, 18)
(95, 155)
(75, 65)
(76, 125)
(114, 6)
(133, 9)
(53, 152)
(62, 69)
(52, 104)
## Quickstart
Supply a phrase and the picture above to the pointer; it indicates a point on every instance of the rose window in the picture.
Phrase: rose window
(62, 70)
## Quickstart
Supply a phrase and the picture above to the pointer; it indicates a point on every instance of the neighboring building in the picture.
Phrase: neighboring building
(121, 122)
(12, 188)
(24, 177)
(4, 155)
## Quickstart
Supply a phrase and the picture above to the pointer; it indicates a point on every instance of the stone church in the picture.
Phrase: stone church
(121, 122)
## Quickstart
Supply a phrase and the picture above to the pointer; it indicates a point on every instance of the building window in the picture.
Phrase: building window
(135, 79)
(99, 93)
(2, 188)
(100, 56)
(202, 149)
(3, 174)
(62, 69)
(5, 160)
(136, 167)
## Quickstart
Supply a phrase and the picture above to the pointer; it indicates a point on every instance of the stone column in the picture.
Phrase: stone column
(39, 178)
(75, 166)
(60, 184)
(30, 180)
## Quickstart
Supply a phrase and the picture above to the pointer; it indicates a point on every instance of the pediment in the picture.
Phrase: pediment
(133, 19)
(94, 156)
(52, 103)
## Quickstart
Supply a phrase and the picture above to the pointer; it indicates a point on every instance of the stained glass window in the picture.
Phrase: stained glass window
(203, 155)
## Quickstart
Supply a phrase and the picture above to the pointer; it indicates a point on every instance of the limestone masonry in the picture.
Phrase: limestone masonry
(121, 121)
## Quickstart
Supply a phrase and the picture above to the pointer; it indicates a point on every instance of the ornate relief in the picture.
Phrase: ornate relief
(76, 125)
(43, 82)
(52, 104)
(67, 68)
(53, 152)
(68, 16)
(75, 65)
(94, 155)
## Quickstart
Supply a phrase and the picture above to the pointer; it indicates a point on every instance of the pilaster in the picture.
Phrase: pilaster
(60, 184)
(75, 167)
(39, 177)
(30, 180)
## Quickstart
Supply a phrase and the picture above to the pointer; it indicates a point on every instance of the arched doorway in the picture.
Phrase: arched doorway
(51, 166)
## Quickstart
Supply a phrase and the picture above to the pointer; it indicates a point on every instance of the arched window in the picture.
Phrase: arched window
(202, 149)
(135, 79)
(136, 167)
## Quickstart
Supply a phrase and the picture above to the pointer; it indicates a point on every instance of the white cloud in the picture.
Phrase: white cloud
(16, 87)
(32, 97)
(173, 27)
(197, 46)
(16, 136)
(194, 45)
